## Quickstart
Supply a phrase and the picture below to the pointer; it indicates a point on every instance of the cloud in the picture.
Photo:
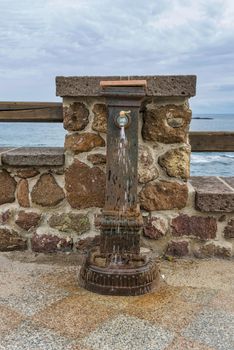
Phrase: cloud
(40, 40)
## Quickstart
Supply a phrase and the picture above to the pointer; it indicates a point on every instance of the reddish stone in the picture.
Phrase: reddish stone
(5, 217)
(23, 193)
(27, 172)
(177, 248)
(214, 249)
(84, 245)
(10, 240)
(229, 229)
(27, 220)
(97, 158)
(202, 227)
(85, 186)
(75, 117)
(100, 117)
(154, 227)
(49, 243)
(163, 195)
(7, 187)
(47, 192)
(158, 125)
(83, 142)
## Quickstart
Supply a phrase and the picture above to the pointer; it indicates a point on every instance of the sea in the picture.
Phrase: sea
(52, 134)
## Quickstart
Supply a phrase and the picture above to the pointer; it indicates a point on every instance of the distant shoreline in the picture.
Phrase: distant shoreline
(202, 118)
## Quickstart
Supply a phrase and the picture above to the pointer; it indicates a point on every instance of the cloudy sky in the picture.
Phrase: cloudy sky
(42, 39)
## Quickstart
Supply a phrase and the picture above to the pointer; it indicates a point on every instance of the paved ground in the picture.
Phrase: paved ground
(42, 307)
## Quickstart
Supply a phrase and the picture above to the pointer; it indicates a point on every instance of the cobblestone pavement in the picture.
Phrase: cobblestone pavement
(43, 307)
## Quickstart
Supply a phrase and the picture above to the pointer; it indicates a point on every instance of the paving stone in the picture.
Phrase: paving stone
(9, 319)
(27, 337)
(212, 195)
(223, 300)
(74, 316)
(199, 296)
(213, 328)
(34, 298)
(125, 332)
(180, 343)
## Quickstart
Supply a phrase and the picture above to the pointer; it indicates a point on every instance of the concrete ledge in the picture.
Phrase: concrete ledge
(171, 85)
(214, 194)
(33, 156)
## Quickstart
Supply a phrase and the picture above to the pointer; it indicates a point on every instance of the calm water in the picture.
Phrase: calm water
(46, 134)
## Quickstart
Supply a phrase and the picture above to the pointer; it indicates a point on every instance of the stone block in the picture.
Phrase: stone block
(23, 193)
(85, 186)
(47, 192)
(176, 162)
(163, 195)
(100, 112)
(47, 243)
(27, 220)
(83, 142)
(177, 248)
(154, 227)
(147, 171)
(229, 229)
(34, 156)
(27, 172)
(7, 187)
(5, 216)
(212, 195)
(198, 226)
(97, 158)
(10, 240)
(156, 127)
(86, 244)
(215, 249)
(164, 85)
(70, 222)
(75, 117)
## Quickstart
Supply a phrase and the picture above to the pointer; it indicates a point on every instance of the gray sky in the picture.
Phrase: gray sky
(42, 39)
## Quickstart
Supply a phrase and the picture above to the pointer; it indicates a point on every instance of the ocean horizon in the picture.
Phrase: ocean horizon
(52, 135)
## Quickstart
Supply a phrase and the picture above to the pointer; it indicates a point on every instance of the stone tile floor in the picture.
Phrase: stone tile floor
(43, 307)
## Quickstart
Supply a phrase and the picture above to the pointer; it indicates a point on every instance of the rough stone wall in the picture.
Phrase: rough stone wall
(48, 209)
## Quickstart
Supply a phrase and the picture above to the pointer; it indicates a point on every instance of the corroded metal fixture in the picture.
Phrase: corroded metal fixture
(119, 266)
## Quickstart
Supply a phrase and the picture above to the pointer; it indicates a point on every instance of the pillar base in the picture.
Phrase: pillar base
(127, 274)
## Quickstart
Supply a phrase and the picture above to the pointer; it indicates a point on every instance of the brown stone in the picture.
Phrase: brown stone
(215, 249)
(83, 142)
(86, 244)
(158, 126)
(163, 195)
(7, 187)
(23, 193)
(176, 162)
(27, 220)
(75, 117)
(177, 248)
(212, 194)
(5, 217)
(11, 240)
(47, 192)
(85, 186)
(27, 172)
(154, 227)
(49, 243)
(198, 226)
(97, 158)
(229, 229)
(100, 112)
(147, 171)
(70, 222)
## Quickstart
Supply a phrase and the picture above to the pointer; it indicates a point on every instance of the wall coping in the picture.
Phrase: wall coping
(32, 156)
(157, 85)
